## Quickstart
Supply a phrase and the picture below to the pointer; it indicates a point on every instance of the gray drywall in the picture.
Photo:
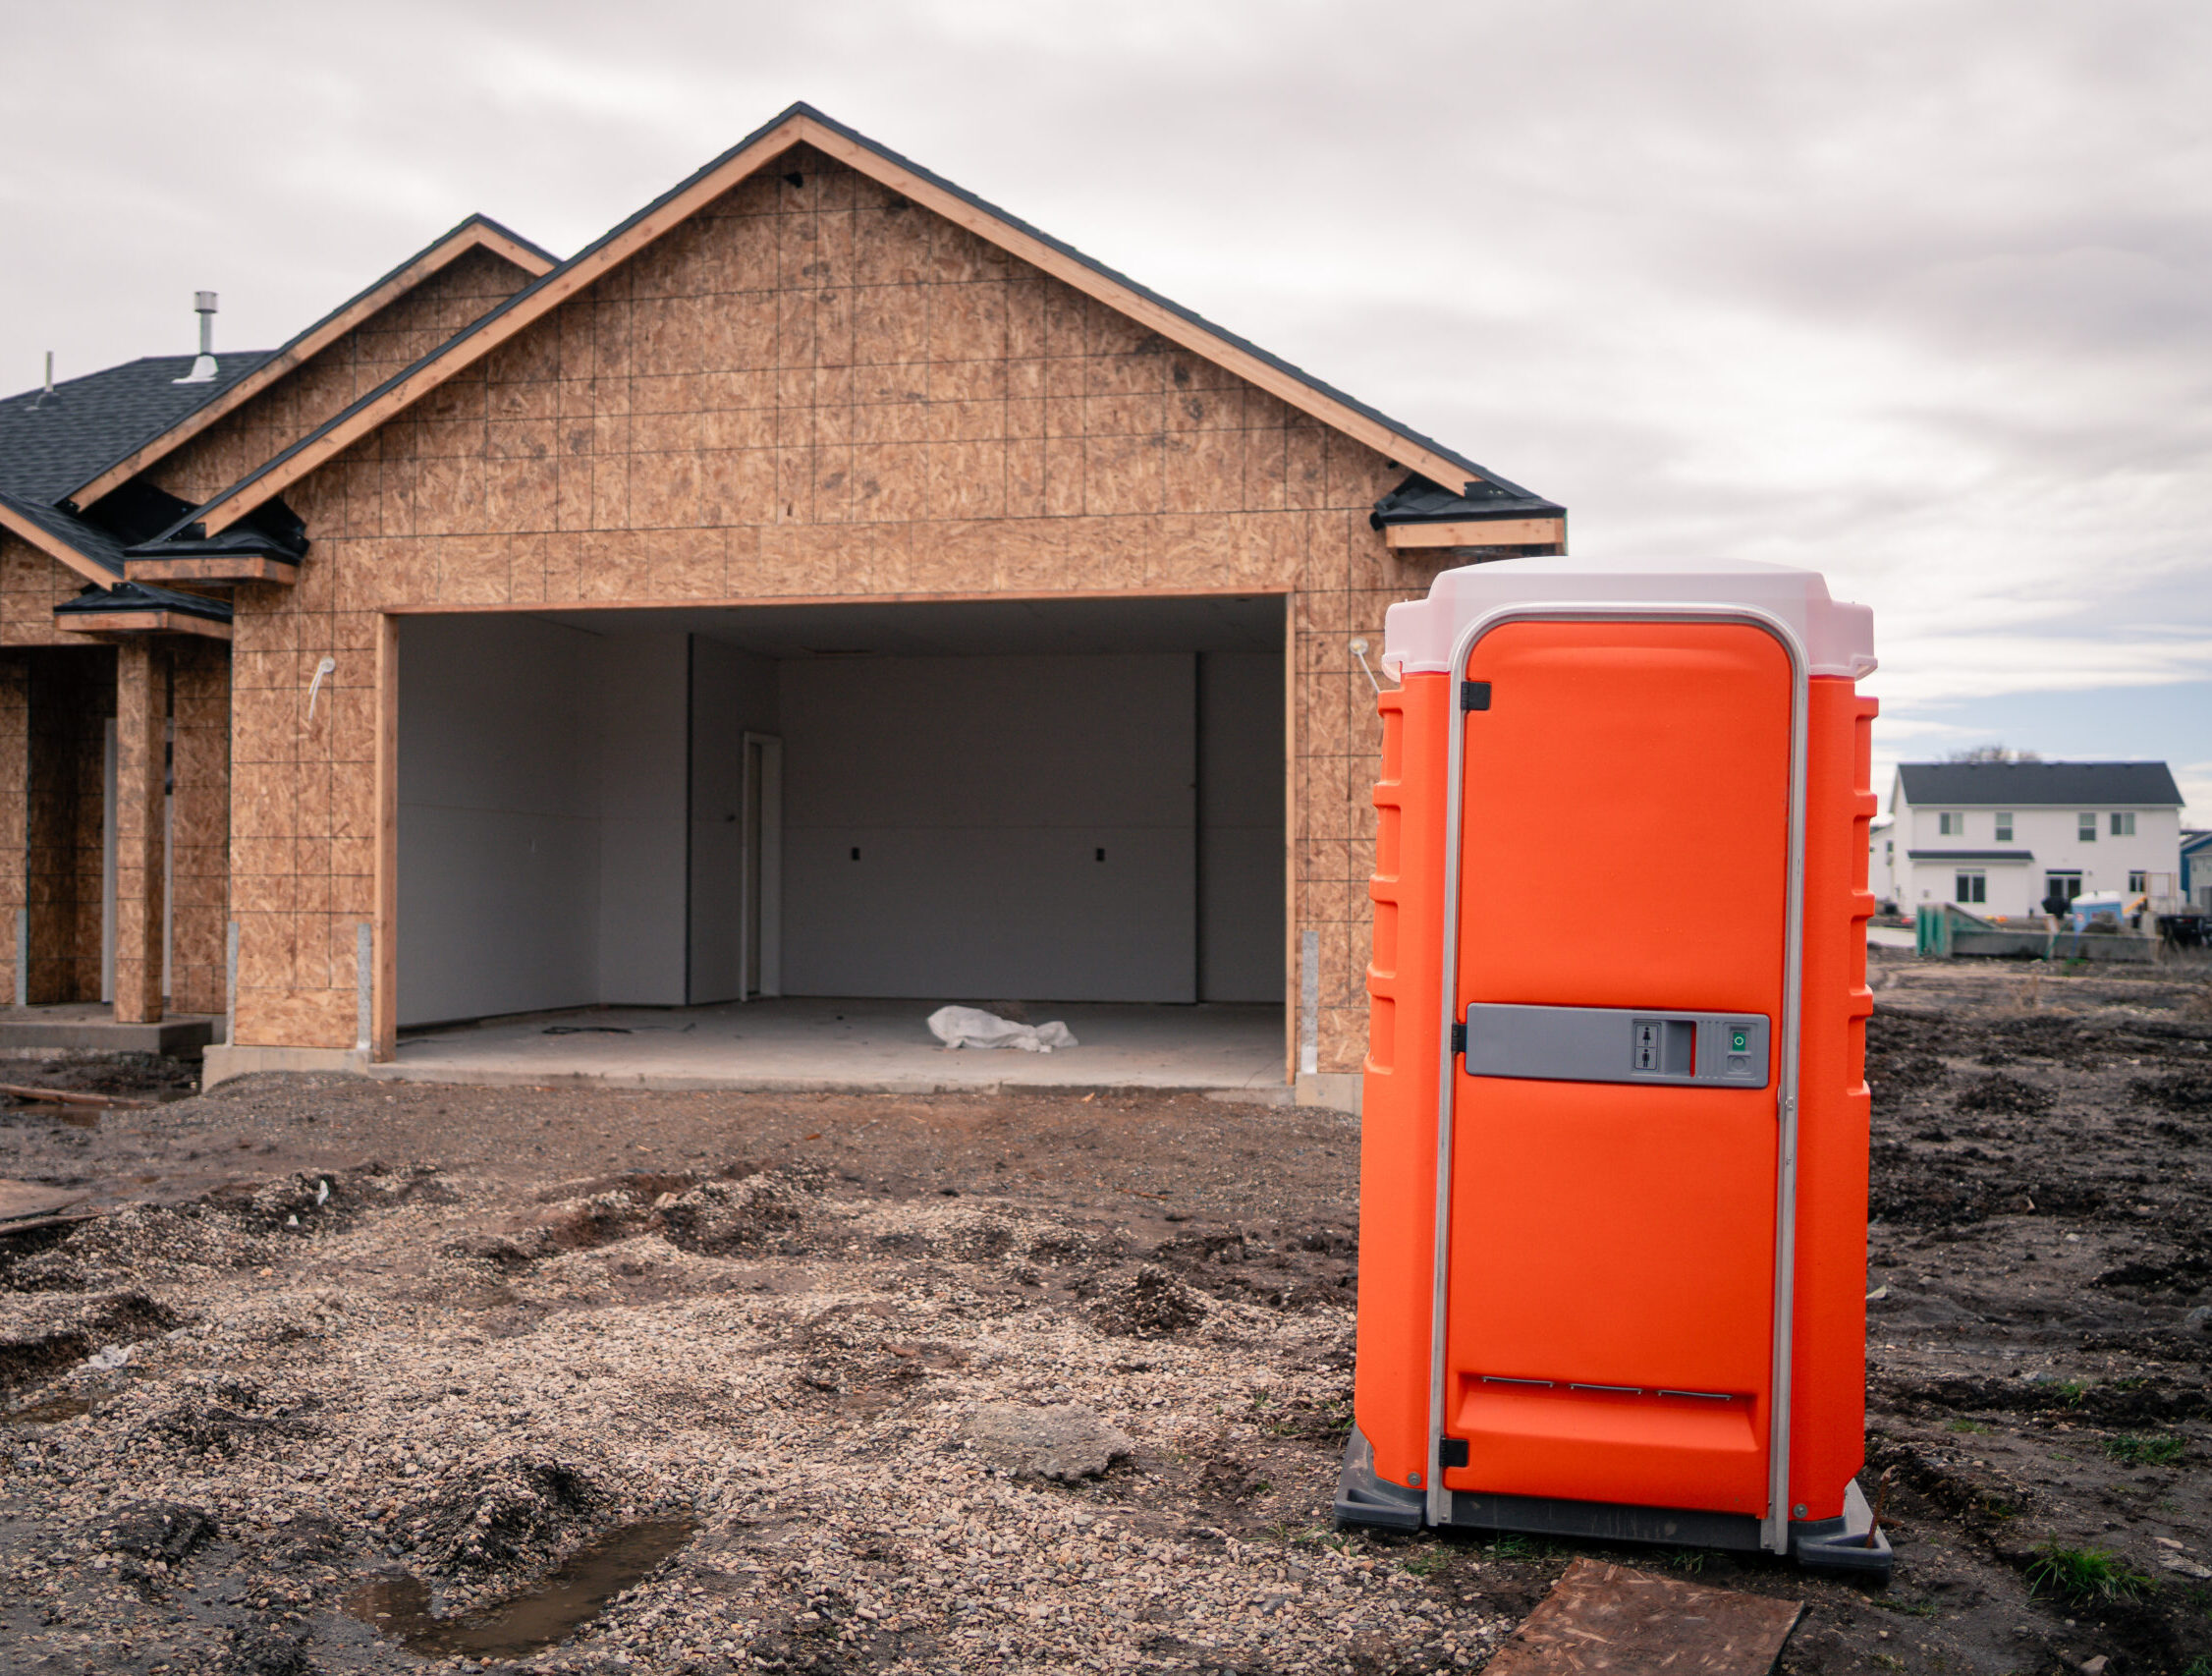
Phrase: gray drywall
(498, 820)
(733, 694)
(979, 792)
(1240, 826)
(642, 700)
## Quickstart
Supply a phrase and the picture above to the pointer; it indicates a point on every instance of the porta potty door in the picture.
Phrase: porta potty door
(1623, 888)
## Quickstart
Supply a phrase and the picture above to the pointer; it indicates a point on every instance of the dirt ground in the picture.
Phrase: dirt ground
(721, 1364)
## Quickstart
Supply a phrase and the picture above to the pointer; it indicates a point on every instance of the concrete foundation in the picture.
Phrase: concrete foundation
(90, 1028)
(221, 1064)
(870, 1046)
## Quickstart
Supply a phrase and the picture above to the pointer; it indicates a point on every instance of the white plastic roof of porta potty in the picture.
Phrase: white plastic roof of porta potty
(1418, 636)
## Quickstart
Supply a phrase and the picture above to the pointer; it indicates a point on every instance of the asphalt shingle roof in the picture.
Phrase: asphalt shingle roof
(49, 445)
(2025, 784)
(1416, 500)
(95, 602)
(86, 539)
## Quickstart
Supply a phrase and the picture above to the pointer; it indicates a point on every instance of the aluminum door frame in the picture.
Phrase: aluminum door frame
(1774, 1528)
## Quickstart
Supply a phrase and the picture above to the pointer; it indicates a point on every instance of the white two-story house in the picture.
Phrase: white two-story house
(2002, 838)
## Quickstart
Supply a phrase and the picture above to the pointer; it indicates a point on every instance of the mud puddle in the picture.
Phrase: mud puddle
(399, 1607)
(51, 1411)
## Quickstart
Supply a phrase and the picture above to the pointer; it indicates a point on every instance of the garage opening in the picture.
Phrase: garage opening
(1041, 802)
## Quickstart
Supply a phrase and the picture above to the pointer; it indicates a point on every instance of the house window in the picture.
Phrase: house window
(2064, 887)
(1951, 824)
(2086, 828)
(2137, 884)
(1889, 852)
(1972, 885)
(2123, 824)
(2004, 829)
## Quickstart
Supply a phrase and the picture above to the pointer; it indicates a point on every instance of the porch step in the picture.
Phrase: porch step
(94, 1029)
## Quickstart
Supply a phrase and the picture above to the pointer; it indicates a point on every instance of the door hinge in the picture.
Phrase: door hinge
(1459, 1040)
(1474, 694)
(1452, 1452)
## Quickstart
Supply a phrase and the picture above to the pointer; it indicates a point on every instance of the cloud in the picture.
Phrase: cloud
(1919, 293)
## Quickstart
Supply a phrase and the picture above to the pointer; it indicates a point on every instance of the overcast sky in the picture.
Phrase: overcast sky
(1918, 294)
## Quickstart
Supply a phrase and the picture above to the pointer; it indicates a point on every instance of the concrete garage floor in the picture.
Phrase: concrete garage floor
(852, 1046)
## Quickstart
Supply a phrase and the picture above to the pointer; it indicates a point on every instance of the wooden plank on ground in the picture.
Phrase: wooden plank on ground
(1612, 1617)
(30, 1198)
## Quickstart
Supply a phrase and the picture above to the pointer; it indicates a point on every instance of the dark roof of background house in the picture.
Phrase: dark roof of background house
(49, 445)
(2025, 784)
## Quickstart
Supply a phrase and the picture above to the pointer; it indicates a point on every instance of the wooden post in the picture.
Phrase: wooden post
(141, 750)
(385, 964)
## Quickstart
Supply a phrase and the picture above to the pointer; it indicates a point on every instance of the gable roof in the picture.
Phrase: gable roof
(51, 444)
(92, 436)
(802, 124)
(478, 232)
(2026, 785)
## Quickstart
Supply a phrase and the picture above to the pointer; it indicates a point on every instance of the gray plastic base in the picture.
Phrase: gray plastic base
(1837, 1544)
(1364, 1499)
(1841, 1544)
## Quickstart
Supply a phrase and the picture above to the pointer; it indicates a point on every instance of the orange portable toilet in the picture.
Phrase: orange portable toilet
(1612, 1168)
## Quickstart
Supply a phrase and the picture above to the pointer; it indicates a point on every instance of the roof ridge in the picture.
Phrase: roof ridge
(802, 110)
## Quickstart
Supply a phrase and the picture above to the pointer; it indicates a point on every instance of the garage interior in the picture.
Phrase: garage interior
(1071, 803)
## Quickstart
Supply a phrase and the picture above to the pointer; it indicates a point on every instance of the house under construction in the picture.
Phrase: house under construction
(824, 585)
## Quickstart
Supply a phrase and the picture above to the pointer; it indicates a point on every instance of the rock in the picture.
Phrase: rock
(1065, 1443)
(1151, 1304)
(260, 1652)
(2198, 1319)
(165, 1531)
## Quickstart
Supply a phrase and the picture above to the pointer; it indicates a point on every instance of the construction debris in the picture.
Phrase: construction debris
(1612, 1617)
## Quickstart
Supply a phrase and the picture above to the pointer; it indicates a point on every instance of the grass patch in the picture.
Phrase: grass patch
(1974, 1426)
(1428, 1564)
(2145, 1451)
(2083, 1576)
(1689, 1560)
(1518, 1549)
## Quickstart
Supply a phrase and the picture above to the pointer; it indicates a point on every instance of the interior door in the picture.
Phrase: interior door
(1624, 851)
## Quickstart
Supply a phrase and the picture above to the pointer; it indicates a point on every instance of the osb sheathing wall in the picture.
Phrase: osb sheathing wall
(200, 820)
(32, 584)
(809, 391)
(396, 335)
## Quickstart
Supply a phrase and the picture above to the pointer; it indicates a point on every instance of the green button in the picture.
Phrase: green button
(1738, 1041)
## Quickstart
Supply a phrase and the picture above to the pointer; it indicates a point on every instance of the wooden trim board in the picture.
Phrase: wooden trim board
(1478, 533)
(473, 343)
(141, 623)
(384, 997)
(60, 551)
(244, 568)
(742, 601)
